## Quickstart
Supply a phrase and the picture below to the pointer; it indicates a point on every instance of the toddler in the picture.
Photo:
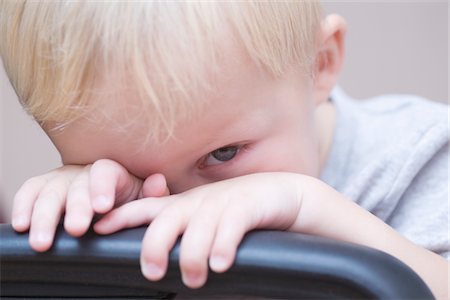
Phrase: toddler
(210, 119)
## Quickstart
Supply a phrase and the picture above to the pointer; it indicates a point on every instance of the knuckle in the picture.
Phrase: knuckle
(35, 182)
(235, 214)
(51, 193)
(42, 218)
(192, 263)
(29, 189)
(193, 255)
(79, 187)
(104, 163)
(152, 252)
(19, 197)
(171, 212)
(76, 198)
(66, 170)
(204, 220)
(77, 192)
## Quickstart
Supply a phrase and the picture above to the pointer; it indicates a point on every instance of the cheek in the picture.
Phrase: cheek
(290, 159)
(285, 154)
(295, 148)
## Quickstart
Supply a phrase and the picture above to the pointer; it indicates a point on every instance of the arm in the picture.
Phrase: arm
(351, 223)
(213, 219)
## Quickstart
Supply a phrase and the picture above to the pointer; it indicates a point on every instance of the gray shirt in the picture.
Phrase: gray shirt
(390, 155)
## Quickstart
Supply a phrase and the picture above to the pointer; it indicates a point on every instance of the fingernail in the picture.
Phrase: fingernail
(192, 280)
(218, 263)
(152, 271)
(101, 202)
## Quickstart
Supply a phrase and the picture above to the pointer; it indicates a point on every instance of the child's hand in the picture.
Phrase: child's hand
(213, 218)
(79, 192)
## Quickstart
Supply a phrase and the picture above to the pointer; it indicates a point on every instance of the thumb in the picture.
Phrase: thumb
(111, 185)
(155, 185)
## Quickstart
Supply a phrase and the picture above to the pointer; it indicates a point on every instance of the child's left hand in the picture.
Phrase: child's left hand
(213, 218)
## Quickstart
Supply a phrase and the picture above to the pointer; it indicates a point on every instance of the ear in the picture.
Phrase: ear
(329, 56)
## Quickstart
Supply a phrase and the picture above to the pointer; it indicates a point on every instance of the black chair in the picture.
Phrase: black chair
(269, 264)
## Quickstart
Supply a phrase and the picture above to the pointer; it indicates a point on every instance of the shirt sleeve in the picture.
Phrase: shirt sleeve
(422, 213)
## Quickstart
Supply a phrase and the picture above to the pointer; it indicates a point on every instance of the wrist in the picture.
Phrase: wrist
(326, 212)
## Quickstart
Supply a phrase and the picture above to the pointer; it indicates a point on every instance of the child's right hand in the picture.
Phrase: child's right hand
(79, 192)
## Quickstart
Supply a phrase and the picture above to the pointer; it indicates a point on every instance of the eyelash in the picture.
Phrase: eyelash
(202, 164)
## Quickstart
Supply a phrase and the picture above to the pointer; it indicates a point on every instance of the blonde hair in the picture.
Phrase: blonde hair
(55, 52)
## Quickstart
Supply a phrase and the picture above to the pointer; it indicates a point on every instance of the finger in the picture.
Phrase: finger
(46, 214)
(155, 186)
(24, 201)
(196, 244)
(79, 212)
(132, 214)
(230, 231)
(110, 182)
(160, 238)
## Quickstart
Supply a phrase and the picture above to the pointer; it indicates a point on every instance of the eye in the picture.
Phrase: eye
(221, 155)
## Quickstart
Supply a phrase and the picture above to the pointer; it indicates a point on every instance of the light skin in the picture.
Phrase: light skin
(259, 139)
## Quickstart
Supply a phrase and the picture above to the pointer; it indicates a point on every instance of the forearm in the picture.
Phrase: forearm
(327, 213)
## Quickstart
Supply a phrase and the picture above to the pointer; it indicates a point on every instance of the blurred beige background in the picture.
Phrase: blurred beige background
(392, 47)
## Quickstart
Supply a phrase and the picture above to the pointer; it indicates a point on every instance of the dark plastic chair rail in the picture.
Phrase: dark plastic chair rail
(269, 264)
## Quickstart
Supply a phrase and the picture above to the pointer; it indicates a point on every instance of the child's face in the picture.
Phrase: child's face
(266, 124)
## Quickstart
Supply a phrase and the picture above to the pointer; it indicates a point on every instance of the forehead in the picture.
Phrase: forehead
(229, 85)
(179, 87)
